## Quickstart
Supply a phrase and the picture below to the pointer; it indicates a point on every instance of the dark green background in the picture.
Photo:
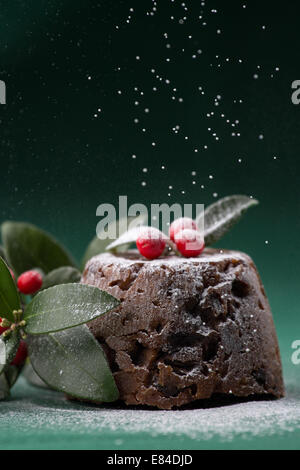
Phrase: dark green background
(59, 162)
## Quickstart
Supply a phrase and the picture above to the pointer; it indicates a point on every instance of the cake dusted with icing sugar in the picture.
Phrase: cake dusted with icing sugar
(186, 328)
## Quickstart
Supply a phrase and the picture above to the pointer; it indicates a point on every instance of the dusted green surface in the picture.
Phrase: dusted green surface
(41, 419)
(59, 162)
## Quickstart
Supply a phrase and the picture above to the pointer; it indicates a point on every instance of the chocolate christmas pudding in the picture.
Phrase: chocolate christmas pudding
(186, 328)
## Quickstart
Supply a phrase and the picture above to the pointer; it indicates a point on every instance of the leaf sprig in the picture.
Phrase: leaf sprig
(62, 350)
(219, 218)
(59, 310)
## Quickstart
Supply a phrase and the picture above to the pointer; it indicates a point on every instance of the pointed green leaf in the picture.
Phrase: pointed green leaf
(63, 275)
(73, 362)
(12, 373)
(223, 214)
(126, 238)
(8, 348)
(66, 306)
(2, 253)
(98, 245)
(4, 387)
(28, 247)
(9, 297)
(32, 377)
(7, 379)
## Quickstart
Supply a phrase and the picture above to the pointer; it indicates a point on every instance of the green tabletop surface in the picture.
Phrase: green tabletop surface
(36, 418)
(103, 101)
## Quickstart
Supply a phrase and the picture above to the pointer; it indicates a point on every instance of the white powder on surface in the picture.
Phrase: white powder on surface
(43, 410)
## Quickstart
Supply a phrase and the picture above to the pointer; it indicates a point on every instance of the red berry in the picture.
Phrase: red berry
(21, 354)
(30, 282)
(181, 224)
(189, 242)
(151, 242)
(2, 329)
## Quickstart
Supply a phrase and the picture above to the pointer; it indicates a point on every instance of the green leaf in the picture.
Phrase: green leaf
(66, 306)
(9, 297)
(73, 362)
(99, 245)
(32, 377)
(63, 275)
(2, 253)
(28, 247)
(4, 387)
(126, 238)
(11, 373)
(223, 214)
(7, 379)
(8, 348)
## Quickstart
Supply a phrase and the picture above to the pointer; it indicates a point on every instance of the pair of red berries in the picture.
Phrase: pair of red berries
(183, 232)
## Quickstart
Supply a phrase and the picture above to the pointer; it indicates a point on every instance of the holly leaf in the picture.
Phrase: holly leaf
(66, 306)
(126, 239)
(63, 275)
(32, 377)
(4, 387)
(12, 373)
(28, 247)
(220, 217)
(7, 379)
(73, 362)
(98, 244)
(9, 297)
(2, 253)
(8, 348)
